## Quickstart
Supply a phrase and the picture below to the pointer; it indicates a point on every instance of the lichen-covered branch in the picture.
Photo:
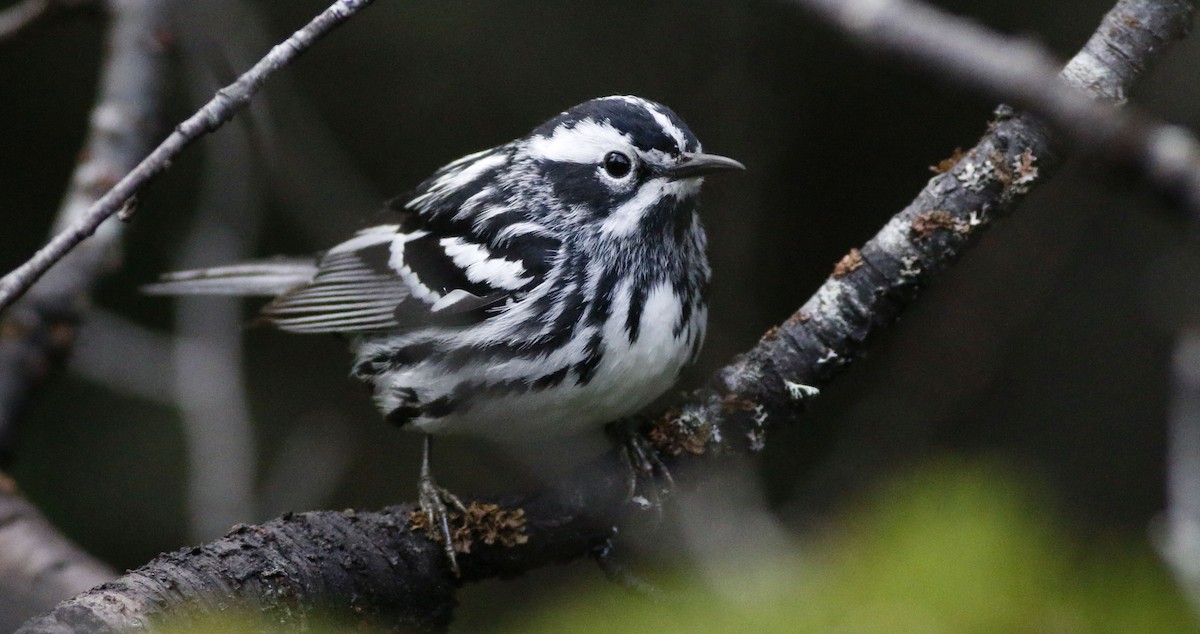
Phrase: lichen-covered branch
(872, 285)
(224, 105)
(374, 565)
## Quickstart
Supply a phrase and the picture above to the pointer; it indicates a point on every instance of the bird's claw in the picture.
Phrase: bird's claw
(433, 500)
(650, 480)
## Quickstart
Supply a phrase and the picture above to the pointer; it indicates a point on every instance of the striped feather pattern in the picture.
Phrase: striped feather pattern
(524, 289)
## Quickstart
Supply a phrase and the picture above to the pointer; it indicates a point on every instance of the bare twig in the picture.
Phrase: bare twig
(1022, 73)
(19, 17)
(227, 102)
(402, 578)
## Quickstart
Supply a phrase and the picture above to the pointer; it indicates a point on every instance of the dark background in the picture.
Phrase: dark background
(1046, 349)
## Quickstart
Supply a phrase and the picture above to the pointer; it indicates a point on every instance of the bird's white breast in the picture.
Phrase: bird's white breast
(629, 376)
(632, 374)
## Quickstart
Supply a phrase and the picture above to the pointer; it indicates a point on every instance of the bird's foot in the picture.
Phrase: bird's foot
(650, 480)
(436, 503)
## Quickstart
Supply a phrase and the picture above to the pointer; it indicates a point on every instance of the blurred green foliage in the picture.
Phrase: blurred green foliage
(949, 548)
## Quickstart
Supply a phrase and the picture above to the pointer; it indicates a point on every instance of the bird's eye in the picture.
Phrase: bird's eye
(617, 164)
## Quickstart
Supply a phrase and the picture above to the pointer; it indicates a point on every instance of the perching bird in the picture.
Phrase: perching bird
(539, 288)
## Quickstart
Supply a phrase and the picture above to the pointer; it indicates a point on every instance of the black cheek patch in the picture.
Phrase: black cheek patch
(670, 216)
(578, 183)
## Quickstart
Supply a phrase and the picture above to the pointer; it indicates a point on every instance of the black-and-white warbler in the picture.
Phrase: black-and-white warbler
(539, 288)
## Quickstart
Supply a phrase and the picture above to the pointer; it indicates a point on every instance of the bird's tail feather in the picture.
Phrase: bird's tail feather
(268, 277)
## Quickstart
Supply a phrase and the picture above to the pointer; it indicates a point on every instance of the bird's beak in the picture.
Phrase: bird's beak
(695, 164)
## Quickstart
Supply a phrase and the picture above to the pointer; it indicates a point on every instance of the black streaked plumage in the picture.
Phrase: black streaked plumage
(539, 288)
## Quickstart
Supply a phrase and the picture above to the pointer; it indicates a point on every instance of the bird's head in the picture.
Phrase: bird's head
(621, 164)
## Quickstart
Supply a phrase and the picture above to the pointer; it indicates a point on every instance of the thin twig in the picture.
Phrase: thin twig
(227, 102)
(1025, 75)
(368, 566)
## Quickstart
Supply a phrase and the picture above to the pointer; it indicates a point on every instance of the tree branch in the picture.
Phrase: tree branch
(36, 333)
(39, 566)
(43, 567)
(19, 17)
(227, 102)
(1179, 541)
(371, 566)
(1167, 157)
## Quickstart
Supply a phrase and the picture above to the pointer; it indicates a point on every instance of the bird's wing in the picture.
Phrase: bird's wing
(353, 290)
(388, 278)
(463, 247)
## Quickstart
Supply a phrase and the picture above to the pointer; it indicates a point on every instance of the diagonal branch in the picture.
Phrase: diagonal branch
(1018, 71)
(369, 566)
(227, 102)
(40, 567)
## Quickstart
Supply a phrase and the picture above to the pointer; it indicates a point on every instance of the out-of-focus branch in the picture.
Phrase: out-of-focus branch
(40, 566)
(19, 17)
(36, 332)
(1018, 71)
(1179, 543)
(124, 357)
(209, 384)
(227, 102)
(322, 561)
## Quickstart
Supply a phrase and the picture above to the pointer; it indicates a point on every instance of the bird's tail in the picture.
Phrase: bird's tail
(268, 277)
